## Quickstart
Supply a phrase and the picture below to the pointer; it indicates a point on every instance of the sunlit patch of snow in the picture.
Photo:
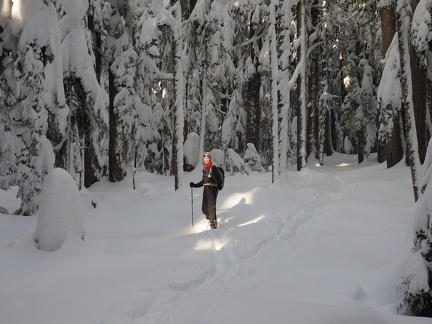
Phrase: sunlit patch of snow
(253, 221)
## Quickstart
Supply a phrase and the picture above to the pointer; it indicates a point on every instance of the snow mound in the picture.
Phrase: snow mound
(147, 188)
(60, 211)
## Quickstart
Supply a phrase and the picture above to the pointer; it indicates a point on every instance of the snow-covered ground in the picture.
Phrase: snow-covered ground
(328, 246)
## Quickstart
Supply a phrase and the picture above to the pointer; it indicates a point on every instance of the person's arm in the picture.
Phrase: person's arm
(196, 185)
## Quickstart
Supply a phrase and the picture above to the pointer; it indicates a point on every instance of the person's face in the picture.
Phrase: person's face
(206, 159)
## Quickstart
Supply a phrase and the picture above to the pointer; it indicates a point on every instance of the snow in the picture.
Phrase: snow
(421, 29)
(328, 246)
(60, 211)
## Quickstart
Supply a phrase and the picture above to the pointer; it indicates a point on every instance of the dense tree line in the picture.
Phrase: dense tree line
(100, 87)
(103, 87)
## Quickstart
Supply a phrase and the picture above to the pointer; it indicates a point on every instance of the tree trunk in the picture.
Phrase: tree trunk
(301, 89)
(178, 138)
(360, 146)
(403, 23)
(419, 86)
(388, 25)
(89, 169)
(114, 168)
(314, 76)
(392, 152)
(253, 109)
(274, 93)
(203, 109)
(394, 149)
(429, 100)
(328, 147)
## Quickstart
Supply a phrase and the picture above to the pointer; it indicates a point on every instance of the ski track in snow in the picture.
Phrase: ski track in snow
(287, 224)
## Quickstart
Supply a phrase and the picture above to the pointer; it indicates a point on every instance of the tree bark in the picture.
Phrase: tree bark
(253, 110)
(360, 146)
(274, 92)
(419, 95)
(403, 23)
(114, 168)
(314, 77)
(301, 89)
(392, 152)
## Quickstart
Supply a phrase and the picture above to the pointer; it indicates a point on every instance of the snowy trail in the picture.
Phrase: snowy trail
(231, 246)
(284, 225)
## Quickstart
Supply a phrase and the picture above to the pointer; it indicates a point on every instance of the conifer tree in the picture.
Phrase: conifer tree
(8, 98)
(118, 23)
(82, 151)
(404, 16)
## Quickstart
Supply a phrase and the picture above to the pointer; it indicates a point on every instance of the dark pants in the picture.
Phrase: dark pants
(209, 202)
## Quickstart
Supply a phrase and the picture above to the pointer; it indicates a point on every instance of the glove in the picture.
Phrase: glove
(192, 185)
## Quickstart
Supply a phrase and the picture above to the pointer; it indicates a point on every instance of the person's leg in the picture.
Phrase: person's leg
(212, 197)
(205, 204)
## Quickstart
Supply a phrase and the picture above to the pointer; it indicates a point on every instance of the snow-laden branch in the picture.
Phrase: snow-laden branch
(295, 75)
(256, 36)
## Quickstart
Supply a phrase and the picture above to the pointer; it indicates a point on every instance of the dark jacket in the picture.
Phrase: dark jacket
(211, 177)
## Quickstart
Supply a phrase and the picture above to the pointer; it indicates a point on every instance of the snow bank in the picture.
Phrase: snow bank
(60, 211)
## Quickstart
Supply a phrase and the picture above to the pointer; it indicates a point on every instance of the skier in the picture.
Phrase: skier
(211, 178)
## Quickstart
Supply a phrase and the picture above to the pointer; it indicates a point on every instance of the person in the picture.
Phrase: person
(209, 182)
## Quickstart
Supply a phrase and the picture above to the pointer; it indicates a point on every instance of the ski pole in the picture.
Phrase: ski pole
(192, 204)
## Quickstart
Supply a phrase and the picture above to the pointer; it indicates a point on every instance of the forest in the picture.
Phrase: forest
(102, 88)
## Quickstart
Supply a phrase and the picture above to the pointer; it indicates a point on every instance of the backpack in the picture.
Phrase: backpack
(220, 181)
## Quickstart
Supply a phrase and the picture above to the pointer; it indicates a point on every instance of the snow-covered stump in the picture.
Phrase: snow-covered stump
(60, 211)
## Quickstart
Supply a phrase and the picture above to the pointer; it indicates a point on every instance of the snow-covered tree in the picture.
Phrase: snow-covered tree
(126, 103)
(251, 24)
(233, 127)
(8, 97)
(389, 93)
(354, 49)
(252, 159)
(118, 21)
(87, 119)
(234, 163)
(221, 70)
(40, 99)
(366, 113)
(415, 289)
(204, 47)
(154, 139)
